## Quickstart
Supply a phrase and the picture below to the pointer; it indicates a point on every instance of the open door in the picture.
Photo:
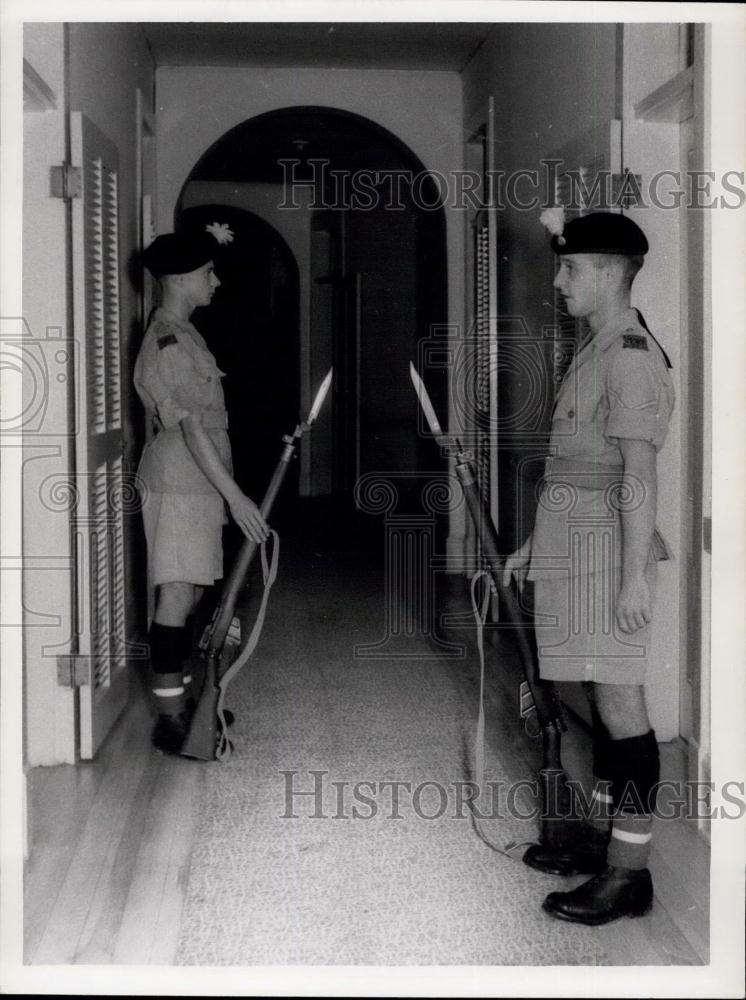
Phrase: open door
(98, 524)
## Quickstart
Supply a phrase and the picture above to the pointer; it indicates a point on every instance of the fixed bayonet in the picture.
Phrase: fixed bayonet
(320, 397)
(424, 398)
(452, 444)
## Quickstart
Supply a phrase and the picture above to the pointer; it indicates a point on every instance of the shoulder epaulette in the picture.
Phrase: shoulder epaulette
(647, 329)
(169, 338)
(635, 340)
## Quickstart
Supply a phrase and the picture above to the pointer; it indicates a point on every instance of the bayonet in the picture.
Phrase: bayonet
(320, 397)
(448, 441)
(424, 398)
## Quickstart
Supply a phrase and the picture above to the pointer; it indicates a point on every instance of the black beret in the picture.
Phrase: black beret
(177, 253)
(601, 232)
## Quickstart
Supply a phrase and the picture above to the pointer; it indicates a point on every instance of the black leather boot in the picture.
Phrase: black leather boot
(616, 892)
(582, 854)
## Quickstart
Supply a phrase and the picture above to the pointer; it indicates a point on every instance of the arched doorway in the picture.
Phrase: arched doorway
(373, 279)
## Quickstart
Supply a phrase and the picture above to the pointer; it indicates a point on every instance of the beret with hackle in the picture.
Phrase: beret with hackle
(601, 232)
(179, 253)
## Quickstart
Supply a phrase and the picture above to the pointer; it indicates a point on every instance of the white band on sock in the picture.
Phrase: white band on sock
(631, 838)
(168, 692)
(601, 797)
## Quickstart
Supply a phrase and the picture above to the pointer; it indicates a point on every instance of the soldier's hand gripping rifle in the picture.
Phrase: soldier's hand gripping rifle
(207, 739)
(554, 828)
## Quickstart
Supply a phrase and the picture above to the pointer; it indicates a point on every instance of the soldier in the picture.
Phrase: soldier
(185, 470)
(592, 559)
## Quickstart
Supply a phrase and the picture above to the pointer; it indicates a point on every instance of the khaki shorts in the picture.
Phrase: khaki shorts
(576, 631)
(184, 533)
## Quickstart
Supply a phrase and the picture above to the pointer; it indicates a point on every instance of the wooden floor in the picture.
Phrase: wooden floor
(111, 842)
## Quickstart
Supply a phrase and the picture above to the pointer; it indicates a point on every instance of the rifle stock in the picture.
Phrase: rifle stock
(202, 737)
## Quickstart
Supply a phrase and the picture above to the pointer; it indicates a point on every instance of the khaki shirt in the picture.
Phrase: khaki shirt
(617, 386)
(175, 376)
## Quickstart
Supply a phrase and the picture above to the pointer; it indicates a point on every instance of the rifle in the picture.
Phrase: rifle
(556, 812)
(207, 738)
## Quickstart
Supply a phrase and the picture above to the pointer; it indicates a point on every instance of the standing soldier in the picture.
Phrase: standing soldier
(185, 470)
(592, 558)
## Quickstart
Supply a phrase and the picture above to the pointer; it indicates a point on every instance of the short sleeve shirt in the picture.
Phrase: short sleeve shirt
(176, 376)
(617, 387)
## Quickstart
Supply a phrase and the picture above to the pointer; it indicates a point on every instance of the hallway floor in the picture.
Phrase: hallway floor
(141, 858)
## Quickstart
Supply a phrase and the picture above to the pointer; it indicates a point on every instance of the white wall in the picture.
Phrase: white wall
(49, 709)
(197, 105)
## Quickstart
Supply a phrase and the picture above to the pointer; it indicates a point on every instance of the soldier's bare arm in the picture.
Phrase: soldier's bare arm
(633, 609)
(244, 511)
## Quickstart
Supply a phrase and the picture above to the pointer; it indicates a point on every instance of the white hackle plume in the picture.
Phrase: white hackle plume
(554, 220)
(221, 231)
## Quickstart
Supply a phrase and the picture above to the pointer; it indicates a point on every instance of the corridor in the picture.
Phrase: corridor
(141, 858)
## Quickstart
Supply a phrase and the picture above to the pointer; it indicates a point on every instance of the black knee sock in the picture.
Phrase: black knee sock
(166, 654)
(634, 769)
(635, 765)
(602, 802)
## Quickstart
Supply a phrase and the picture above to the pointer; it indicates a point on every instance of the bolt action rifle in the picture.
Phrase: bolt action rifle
(207, 738)
(556, 827)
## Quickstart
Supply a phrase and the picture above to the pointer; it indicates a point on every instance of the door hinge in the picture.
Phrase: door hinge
(73, 671)
(66, 181)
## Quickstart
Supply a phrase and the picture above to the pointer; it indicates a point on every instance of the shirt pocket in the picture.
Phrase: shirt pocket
(193, 381)
(578, 420)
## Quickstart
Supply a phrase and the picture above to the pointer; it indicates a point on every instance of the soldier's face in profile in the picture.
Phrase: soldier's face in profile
(199, 286)
(579, 281)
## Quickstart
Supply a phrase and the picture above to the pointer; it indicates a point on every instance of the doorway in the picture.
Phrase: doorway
(372, 278)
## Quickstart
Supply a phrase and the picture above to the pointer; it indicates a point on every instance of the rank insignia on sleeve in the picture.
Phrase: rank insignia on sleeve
(170, 338)
(630, 340)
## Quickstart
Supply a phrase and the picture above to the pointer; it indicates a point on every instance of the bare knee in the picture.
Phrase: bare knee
(176, 600)
(622, 709)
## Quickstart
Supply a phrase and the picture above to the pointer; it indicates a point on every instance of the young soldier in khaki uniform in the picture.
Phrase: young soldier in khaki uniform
(185, 470)
(592, 559)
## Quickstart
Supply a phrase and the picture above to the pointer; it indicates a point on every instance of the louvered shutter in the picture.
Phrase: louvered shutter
(485, 345)
(483, 350)
(99, 516)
